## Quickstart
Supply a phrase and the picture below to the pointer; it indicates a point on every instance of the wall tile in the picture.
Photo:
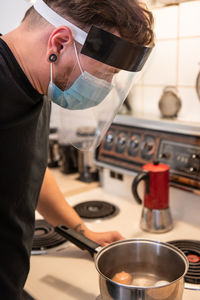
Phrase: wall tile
(190, 19)
(136, 99)
(161, 69)
(190, 110)
(151, 98)
(165, 29)
(189, 61)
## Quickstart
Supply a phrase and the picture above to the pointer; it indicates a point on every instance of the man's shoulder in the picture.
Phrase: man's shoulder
(5, 60)
(12, 78)
(6, 70)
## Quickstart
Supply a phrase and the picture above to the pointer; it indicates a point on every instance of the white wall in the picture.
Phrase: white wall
(11, 14)
(175, 61)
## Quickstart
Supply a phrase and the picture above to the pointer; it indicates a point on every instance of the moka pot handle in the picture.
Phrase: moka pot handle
(141, 176)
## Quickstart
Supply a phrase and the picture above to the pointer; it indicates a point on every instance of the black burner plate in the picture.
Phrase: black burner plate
(95, 209)
(192, 251)
(45, 236)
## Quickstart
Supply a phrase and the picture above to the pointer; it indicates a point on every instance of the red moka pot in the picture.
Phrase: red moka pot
(156, 215)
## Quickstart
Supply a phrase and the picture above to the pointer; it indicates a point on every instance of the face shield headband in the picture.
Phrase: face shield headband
(99, 44)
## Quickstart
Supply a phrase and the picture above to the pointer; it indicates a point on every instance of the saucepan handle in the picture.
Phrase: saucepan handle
(78, 239)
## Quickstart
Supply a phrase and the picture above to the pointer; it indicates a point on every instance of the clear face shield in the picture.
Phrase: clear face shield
(99, 83)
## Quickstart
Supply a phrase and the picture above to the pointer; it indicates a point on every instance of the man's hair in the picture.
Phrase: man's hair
(130, 18)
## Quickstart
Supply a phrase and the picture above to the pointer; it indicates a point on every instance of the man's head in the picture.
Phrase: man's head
(130, 18)
(97, 46)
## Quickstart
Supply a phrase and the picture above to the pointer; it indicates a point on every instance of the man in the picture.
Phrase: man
(76, 60)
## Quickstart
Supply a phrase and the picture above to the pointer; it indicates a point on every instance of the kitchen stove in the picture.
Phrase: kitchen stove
(70, 273)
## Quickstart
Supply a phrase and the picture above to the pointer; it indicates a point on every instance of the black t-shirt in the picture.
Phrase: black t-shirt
(24, 128)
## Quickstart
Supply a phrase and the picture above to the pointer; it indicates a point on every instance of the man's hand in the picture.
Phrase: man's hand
(54, 208)
(103, 238)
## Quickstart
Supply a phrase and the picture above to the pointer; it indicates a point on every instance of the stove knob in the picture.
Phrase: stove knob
(165, 155)
(109, 138)
(192, 169)
(195, 156)
(148, 147)
(134, 143)
(122, 139)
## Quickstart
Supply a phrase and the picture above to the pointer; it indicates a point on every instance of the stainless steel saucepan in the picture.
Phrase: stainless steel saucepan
(157, 268)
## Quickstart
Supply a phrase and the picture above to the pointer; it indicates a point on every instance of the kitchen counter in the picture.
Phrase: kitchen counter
(70, 185)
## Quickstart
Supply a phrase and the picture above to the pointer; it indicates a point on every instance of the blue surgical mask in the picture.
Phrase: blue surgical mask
(87, 91)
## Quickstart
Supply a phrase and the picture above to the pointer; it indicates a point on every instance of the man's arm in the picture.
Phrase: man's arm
(55, 209)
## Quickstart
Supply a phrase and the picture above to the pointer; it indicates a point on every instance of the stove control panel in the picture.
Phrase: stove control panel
(129, 148)
(181, 157)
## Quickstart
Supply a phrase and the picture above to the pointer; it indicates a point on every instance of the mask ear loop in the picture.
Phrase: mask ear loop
(51, 72)
(49, 92)
(77, 58)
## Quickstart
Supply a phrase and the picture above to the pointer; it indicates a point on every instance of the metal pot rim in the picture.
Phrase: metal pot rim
(147, 241)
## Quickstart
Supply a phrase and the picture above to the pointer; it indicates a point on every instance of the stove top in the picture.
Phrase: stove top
(72, 271)
(96, 209)
(45, 238)
(191, 248)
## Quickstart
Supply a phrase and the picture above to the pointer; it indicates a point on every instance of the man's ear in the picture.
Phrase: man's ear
(59, 39)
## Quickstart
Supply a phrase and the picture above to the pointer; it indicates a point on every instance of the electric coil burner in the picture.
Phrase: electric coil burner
(191, 249)
(45, 237)
(96, 209)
